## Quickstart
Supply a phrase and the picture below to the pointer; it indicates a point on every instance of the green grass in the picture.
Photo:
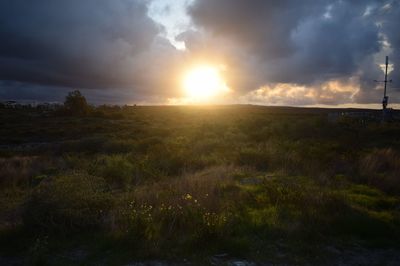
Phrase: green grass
(164, 182)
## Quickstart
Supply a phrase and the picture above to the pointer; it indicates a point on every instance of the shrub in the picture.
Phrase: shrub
(381, 168)
(271, 156)
(192, 207)
(22, 171)
(167, 160)
(119, 146)
(301, 205)
(84, 145)
(116, 170)
(255, 157)
(75, 104)
(69, 202)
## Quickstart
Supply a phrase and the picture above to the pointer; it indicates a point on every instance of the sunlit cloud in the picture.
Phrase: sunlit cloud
(331, 92)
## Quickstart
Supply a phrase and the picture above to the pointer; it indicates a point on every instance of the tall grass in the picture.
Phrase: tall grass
(174, 177)
(381, 168)
(67, 203)
(26, 171)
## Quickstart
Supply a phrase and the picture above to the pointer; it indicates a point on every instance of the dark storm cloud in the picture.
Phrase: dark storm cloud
(114, 50)
(390, 19)
(29, 92)
(302, 42)
(260, 26)
(84, 44)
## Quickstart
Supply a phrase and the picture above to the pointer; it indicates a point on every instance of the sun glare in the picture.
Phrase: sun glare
(203, 83)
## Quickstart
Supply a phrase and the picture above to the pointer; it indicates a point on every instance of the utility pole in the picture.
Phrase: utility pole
(385, 99)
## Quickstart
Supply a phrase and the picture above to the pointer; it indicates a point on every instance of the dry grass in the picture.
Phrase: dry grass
(381, 168)
(27, 171)
(207, 186)
(193, 205)
(17, 171)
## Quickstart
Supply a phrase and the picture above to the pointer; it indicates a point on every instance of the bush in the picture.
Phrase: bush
(23, 171)
(84, 145)
(167, 160)
(75, 104)
(119, 146)
(70, 202)
(381, 168)
(257, 158)
(116, 170)
(192, 207)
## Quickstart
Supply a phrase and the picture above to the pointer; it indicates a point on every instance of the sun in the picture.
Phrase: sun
(203, 83)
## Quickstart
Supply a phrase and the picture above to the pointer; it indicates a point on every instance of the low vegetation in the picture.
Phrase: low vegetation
(190, 182)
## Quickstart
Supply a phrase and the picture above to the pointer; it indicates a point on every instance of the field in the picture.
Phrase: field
(180, 185)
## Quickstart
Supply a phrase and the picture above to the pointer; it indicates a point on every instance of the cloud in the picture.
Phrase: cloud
(272, 51)
(328, 93)
(95, 44)
(389, 15)
(303, 43)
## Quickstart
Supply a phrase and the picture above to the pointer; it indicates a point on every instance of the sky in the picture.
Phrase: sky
(268, 52)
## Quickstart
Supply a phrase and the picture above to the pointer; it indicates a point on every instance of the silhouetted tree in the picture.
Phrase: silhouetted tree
(75, 103)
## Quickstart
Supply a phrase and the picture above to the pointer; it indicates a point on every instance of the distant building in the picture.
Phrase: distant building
(363, 116)
(28, 105)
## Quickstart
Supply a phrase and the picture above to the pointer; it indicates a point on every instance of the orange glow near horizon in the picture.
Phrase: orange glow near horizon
(203, 83)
